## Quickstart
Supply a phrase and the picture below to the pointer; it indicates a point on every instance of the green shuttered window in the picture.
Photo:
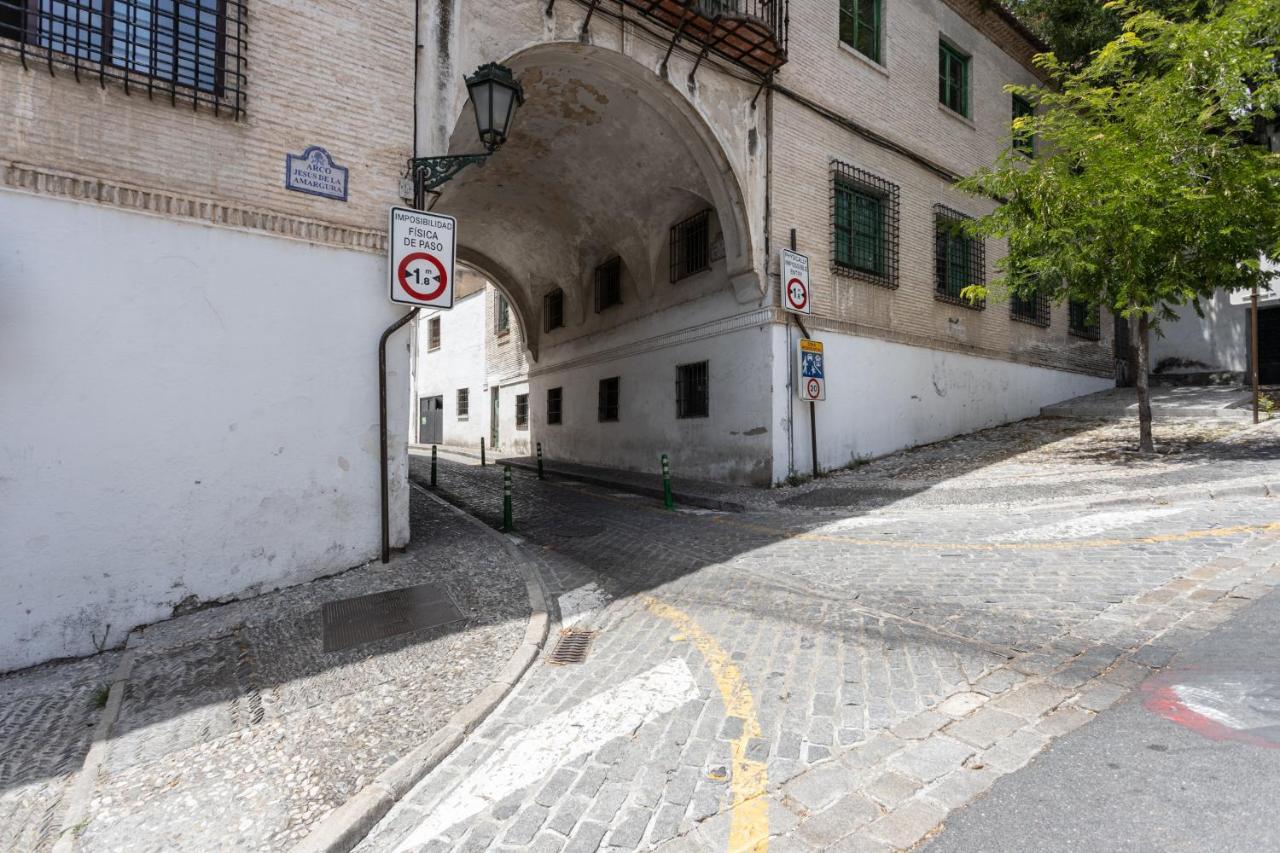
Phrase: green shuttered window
(860, 26)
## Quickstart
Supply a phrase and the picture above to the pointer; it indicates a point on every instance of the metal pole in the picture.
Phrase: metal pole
(481, 452)
(813, 410)
(540, 477)
(382, 432)
(507, 524)
(433, 465)
(667, 500)
(1253, 346)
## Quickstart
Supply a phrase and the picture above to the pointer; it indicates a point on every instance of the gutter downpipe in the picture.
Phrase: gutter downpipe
(382, 431)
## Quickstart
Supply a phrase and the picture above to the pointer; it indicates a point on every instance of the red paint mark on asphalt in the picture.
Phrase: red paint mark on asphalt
(1162, 698)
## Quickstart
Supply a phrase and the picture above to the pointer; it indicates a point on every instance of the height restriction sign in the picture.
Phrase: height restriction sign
(420, 257)
(795, 282)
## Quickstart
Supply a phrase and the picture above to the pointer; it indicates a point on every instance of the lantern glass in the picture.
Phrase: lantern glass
(494, 96)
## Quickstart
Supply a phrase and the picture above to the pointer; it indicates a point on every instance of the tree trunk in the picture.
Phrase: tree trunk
(1145, 442)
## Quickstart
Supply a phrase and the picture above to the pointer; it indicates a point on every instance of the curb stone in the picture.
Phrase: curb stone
(349, 823)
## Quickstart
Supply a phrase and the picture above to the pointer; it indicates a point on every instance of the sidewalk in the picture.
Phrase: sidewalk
(235, 723)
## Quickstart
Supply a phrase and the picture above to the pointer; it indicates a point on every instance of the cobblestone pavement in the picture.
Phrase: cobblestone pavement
(236, 730)
(834, 678)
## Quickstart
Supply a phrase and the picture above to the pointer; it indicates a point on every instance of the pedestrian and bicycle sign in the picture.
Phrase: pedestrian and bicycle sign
(420, 250)
(813, 373)
(795, 282)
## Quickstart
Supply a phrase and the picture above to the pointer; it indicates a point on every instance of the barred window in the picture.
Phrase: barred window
(1033, 310)
(959, 261)
(522, 411)
(1084, 320)
(953, 78)
(860, 26)
(433, 333)
(864, 225)
(553, 310)
(691, 246)
(1023, 141)
(188, 50)
(693, 396)
(464, 403)
(502, 316)
(608, 284)
(555, 400)
(607, 404)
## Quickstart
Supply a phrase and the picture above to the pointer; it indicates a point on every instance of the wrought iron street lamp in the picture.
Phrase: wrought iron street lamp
(495, 93)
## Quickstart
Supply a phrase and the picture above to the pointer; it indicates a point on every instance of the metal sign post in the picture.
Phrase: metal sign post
(1253, 346)
(1253, 299)
(796, 299)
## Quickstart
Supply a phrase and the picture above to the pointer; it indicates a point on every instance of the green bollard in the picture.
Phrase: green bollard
(667, 500)
(540, 477)
(433, 466)
(482, 453)
(507, 524)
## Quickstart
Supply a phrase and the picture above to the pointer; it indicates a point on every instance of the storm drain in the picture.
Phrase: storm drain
(356, 621)
(572, 647)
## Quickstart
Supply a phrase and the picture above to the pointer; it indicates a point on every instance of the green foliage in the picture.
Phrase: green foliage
(1075, 29)
(1150, 193)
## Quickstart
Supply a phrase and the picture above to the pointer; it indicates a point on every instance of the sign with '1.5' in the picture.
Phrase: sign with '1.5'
(420, 250)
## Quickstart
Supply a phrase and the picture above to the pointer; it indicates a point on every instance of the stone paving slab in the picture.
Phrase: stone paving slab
(237, 731)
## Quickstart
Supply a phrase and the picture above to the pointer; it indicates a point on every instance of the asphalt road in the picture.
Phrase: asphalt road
(1137, 780)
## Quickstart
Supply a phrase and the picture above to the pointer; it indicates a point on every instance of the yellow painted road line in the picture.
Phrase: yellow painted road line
(1058, 545)
(749, 809)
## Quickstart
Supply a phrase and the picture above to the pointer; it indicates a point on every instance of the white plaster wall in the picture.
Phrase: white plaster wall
(184, 411)
(732, 444)
(1218, 342)
(883, 397)
(512, 441)
(459, 363)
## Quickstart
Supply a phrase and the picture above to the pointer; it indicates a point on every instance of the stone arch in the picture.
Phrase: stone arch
(507, 285)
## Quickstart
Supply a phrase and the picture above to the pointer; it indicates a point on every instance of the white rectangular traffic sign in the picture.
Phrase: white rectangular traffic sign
(420, 249)
(813, 373)
(795, 282)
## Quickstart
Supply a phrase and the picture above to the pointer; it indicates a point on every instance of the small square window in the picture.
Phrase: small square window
(464, 403)
(502, 316)
(555, 398)
(959, 260)
(953, 78)
(693, 397)
(864, 225)
(1023, 141)
(860, 26)
(608, 284)
(607, 405)
(433, 334)
(1033, 310)
(553, 310)
(691, 246)
(1084, 320)
(522, 411)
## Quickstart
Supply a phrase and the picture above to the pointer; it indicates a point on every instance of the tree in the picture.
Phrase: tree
(1076, 29)
(1150, 192)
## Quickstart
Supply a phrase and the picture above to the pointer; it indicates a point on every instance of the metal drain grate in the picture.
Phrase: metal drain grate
(356, 621)
(572, 647)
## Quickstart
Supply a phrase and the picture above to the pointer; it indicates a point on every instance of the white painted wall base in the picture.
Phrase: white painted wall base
(186, 411)
(883, 397)
(1190, 344)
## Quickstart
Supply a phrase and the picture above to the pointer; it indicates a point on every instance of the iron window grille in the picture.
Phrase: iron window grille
(1084, 320)
(553, 310)
(1023, 141)
(959, 261)
(433, 334)
(860, 26)
(502, 316)
(607, 404)
(691, 246)
(464, 403)
(522, 411)
(953, 78)
(693, 391)
(864, 225)
(1034, 310)
(555, 400)
(608, 284)
(191, 51)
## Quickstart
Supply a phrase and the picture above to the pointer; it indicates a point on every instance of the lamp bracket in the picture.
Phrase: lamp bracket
(432, 172)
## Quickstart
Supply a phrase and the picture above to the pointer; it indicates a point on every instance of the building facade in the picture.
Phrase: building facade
(188, 347)
(662, 158)
(470, 373)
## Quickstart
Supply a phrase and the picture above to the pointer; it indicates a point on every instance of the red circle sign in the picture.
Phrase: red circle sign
(797, 294)
(402, 275)
(812, 388)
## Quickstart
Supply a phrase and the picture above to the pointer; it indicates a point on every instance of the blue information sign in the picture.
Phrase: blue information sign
(314, 172)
